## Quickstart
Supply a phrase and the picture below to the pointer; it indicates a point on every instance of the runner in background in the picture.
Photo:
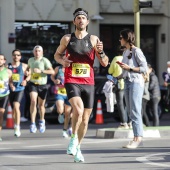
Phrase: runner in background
(62, 103)
(17, 89)
(5, 82)
(40, 67)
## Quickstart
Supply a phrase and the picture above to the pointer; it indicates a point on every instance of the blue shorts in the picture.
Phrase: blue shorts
(62, 97)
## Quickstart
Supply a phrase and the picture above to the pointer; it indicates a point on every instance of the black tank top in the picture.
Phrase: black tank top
(81, 51)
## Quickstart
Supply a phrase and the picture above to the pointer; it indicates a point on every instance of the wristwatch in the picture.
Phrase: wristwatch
(102, 54)
(131, 69)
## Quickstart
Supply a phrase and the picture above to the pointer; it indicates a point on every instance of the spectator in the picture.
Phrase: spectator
(133, 64)
(166, 75)
(166, 78)
(155, 94)
(145, 99)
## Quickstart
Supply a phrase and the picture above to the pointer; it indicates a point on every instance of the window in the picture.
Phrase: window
(48, 35)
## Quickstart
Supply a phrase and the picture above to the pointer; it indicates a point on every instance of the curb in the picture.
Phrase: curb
(148, 132)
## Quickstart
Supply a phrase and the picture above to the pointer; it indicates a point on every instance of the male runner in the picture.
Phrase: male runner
(81, 49)
(40, 67)
(5, 81)
(17, 89)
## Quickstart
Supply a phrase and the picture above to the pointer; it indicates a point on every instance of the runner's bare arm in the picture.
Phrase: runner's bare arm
(10, 80)
(53, 75)
(98, 46)
(48, 71)
(27, 72)
(58, 56)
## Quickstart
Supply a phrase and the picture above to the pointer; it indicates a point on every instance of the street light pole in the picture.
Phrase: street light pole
(137, 5)
(136, 22)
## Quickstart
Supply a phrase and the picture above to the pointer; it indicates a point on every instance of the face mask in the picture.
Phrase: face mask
(168, 70)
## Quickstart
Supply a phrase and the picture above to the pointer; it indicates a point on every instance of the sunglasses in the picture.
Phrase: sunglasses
(130, 55)
(120, 38)
(16, 54)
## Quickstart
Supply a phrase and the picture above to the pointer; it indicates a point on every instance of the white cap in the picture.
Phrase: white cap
(38, 46)
(168, 62)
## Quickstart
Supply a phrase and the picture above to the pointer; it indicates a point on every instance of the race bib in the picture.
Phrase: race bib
(2, 85)
(36, 77)
(15, 77)
(80, 70)
(62, 91)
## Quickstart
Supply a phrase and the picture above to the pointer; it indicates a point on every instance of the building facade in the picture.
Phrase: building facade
(23, 24)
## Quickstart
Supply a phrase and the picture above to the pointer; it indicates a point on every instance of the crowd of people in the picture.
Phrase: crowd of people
(74, 84)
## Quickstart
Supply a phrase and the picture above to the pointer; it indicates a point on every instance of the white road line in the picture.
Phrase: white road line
(5, 148)
(40, 146)
(4, 167)
(85, 142)
(146, 161)
(22, 156)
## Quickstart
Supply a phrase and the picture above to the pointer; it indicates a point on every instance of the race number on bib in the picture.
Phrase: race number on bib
(62, 91)
(80, 70)
(2, 85)
(15, 77)
(36, 77)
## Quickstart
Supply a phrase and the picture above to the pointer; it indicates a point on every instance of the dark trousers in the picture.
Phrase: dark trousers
(144, 114)
(155, 102)
(121, 106)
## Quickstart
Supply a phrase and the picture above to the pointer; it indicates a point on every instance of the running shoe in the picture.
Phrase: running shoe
(78, 157)
(42, 126)
(61, 118)
(33, 128)
(17, 132)
(65, 135)
(72, 147)
(69, 131)
(23, 119)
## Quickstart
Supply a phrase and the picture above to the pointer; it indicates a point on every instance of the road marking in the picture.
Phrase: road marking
(39, 146)
(22, 156)
(5, 167)
(11, 143)
(5, 148)
(150, 157)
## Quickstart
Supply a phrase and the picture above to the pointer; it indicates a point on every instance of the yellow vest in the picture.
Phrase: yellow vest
(116, 70)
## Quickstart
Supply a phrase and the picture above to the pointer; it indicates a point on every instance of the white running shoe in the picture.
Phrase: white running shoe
(42, 126)
(33, 128)
(78, 157)
(65, 135)
(23, 119)
(72, 147)
(17, 132)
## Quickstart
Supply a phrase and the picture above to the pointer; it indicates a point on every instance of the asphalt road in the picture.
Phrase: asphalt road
(48, 151)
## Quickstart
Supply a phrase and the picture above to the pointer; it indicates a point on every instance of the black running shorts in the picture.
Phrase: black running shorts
(86, 92)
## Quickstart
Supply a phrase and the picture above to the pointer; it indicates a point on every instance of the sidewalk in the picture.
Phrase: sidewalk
(149, 132)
